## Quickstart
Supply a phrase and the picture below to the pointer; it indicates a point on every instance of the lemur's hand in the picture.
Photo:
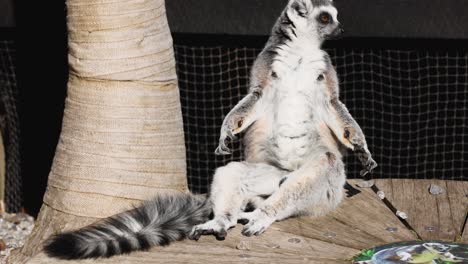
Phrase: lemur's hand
(357, 140)
(231, 126)
(366, 160)
(224, 139)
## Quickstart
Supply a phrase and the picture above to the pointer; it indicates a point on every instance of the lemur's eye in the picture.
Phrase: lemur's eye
(325, 18)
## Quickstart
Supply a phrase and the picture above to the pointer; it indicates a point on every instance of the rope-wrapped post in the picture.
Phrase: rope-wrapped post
(122, 135)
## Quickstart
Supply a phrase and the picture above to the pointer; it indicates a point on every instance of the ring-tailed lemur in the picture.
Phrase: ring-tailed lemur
(296, 130)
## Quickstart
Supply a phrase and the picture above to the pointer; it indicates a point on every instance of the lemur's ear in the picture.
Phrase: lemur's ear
(299, 7)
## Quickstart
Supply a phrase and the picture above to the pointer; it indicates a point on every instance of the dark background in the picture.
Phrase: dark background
(41, 44)
(6, 14)
(446, 19)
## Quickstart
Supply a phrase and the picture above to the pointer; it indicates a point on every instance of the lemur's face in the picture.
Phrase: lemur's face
(320, 17)
(328, 25)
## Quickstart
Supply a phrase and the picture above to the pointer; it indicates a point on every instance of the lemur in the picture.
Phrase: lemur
(296, 132)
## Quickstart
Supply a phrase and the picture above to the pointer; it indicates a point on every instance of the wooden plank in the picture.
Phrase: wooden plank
(202, 257)
(330, 230)
(386, 186)
(273, 247)
(438, 217)
(360, 222)
(458, 197)
(457, 192)
(464, 236)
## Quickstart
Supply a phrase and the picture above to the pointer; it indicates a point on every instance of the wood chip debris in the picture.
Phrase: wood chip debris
(402, 215)
(366, 184)
(243, 245)
(435, 189)
(381, 195)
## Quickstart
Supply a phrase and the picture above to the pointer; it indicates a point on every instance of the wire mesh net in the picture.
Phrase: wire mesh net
(10, 129)
(411, 105)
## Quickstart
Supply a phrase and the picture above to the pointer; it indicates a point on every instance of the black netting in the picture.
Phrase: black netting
(411, 104)
(10, 131)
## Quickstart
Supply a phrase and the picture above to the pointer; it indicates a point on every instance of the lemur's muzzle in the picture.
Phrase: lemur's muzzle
(337, 33)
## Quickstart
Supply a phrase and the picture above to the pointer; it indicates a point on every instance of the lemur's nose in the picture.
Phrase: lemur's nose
(340, 28)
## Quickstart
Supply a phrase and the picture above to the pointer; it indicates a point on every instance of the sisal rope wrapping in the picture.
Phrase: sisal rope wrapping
(122, 136)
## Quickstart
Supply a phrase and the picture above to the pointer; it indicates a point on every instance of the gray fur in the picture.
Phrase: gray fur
(322, 2)
(157, 222)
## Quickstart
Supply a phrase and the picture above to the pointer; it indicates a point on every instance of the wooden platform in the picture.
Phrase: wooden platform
(362, 221)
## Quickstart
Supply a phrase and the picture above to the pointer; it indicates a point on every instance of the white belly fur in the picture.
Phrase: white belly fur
(298, 99)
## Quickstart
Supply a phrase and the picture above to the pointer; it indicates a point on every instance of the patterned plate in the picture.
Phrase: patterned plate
(423, 252)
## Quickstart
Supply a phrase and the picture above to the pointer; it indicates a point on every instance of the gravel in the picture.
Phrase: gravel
(14, 229)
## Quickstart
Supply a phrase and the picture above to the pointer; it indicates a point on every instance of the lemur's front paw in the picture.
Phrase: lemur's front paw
(357, 140)
(368, 163)
(222, 149)
(226, 137)
(232, 125)
(256, 222)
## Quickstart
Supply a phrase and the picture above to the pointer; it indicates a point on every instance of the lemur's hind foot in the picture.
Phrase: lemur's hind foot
(256, 222)
(217, 227)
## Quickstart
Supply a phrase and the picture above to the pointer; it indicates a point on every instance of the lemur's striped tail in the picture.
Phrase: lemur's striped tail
(156, 222)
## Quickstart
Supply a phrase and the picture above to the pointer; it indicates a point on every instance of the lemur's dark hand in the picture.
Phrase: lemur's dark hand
(231, 126)
(367, 161)
(357, 140)
(224, 140)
